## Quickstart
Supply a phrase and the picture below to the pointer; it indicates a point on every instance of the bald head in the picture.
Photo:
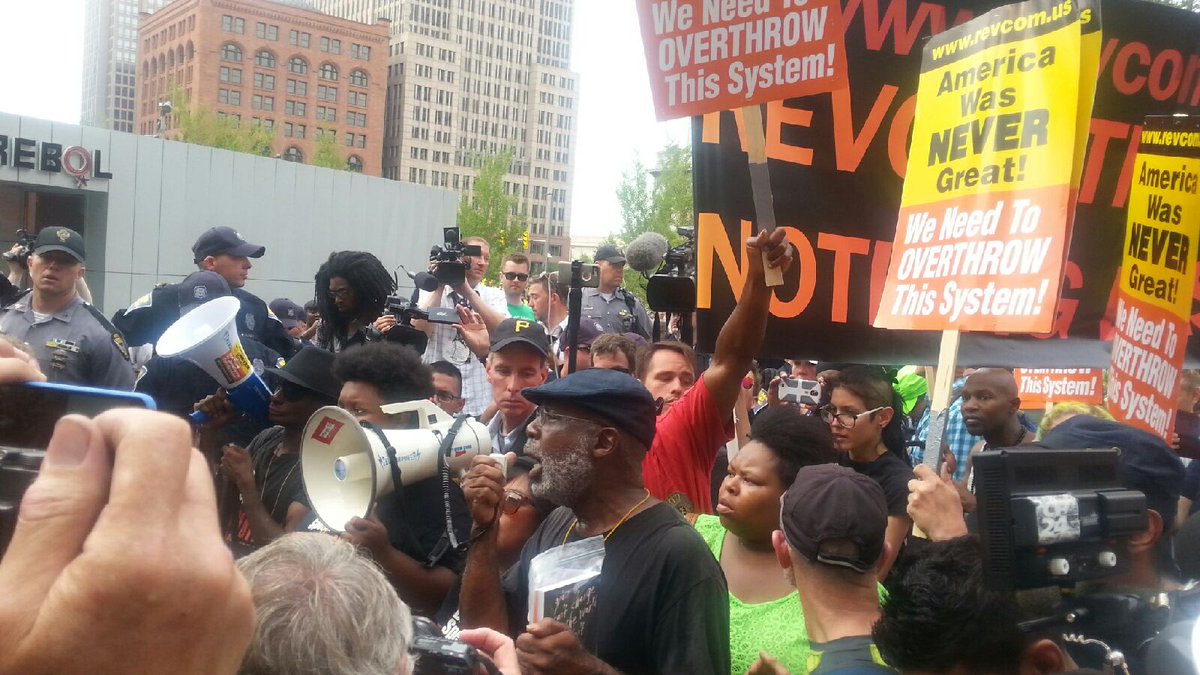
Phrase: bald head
(990, 403)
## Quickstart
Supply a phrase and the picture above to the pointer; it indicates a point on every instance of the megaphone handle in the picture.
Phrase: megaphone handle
(197, 418)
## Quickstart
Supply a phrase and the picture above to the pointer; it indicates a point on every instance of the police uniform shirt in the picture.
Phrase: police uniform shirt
(144, 321)
(613, 313)
(76, 345)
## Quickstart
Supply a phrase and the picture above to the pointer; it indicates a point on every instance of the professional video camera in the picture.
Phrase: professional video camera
(26, 240)
(450, 269)
(403, 332)
(673, 287)
(1057, 518)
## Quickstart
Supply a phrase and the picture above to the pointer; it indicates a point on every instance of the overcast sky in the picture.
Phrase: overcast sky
(42, 56)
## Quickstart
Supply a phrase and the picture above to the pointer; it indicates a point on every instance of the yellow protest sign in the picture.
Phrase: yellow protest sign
(1154, 300)
(997, 148)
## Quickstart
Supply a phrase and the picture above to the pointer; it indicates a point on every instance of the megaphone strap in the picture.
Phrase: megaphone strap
(444, 470)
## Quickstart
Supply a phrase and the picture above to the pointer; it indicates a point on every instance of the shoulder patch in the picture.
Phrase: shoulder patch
(115, 335)
(146, 300)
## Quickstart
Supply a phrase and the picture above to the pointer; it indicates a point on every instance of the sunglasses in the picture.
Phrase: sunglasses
(290, 391)
(516, 276)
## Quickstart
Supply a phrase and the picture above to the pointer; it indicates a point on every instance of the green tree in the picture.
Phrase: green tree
(201, 126)
(327, 153)
(657, 199)
(492, 212)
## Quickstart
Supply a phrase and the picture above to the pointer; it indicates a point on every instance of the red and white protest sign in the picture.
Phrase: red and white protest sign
(1039, 387)
(710, 55)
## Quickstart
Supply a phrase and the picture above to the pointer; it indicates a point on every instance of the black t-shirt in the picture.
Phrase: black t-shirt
(661, 604)
(416, 522)
(892, 474)
(276, 478)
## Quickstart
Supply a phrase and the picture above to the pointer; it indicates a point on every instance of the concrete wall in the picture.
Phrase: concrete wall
(142, 222)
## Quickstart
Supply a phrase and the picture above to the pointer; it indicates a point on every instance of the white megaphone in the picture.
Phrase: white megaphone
(347, 466)
(207, 336)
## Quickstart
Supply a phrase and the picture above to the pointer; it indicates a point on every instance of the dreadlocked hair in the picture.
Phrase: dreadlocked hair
(370, 281)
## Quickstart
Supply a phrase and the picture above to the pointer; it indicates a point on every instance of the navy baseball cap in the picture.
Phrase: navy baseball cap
(224, 241)
(200, 287)
(59, 239)
(828, 502)
(511, 331)
(613, 395)
(1145, 464)
(289, 313)
(311, 368)
(609, 253)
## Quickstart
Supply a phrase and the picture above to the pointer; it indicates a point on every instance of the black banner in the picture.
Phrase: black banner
(837, 162)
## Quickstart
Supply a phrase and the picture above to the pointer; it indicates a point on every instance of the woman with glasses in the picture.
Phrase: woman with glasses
(520, 515)
(764, 612)
(352, 288)
(266, 473)
(866, 429)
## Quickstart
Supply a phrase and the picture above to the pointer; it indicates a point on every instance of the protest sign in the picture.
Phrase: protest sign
(1039, 387)
(837, 166)
(1154, 300)
(708, 55)
(983, 223)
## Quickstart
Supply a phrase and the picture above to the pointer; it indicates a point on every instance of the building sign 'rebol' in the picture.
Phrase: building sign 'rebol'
(75, 161)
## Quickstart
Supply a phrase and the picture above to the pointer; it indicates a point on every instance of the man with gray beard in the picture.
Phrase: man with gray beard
(660, 604)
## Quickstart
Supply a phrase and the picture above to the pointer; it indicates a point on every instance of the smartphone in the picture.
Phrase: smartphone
(589, 274)
(28, 413)
(805, 392)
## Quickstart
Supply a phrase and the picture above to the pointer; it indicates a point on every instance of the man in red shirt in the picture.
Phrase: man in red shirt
(696, 416)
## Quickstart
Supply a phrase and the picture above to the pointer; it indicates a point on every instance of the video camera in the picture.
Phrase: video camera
(673, 287)
(1057, 518)
(450, 270)
(26, 241)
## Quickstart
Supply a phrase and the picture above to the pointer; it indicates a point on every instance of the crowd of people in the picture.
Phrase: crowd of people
(653, 515)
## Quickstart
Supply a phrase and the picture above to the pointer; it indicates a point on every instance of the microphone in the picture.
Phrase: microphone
(423, 280)
(645, 253)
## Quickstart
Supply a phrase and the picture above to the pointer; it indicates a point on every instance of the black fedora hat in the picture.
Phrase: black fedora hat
(311, 368)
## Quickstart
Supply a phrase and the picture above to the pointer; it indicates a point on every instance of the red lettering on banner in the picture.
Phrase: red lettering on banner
(898, 136)
(778, 115)
(879, 269)
(843, 248)
(1163, 74)
(1065, 315)
(848, 148)
(1121, 75)
(895, 22)
(1121, 194)
(806, 263)
(1157, 90)
(1102, 131)
(711, 240)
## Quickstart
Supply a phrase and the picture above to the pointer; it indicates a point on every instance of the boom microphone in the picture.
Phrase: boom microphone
(645, 253)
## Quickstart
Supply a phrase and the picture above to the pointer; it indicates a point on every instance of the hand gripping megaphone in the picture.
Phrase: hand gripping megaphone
(347, 467)
(207, 336)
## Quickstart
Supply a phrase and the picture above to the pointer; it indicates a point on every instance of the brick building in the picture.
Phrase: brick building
(469, 78)
(300, 73)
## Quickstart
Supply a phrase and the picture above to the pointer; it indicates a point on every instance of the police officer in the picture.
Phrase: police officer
(614, 308)
(177, 384)
(223, 251)
(72, 340)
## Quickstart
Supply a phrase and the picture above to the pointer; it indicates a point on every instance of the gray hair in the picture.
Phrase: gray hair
(323, 609)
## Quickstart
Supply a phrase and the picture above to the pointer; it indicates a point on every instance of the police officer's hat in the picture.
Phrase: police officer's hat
(59, 239)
